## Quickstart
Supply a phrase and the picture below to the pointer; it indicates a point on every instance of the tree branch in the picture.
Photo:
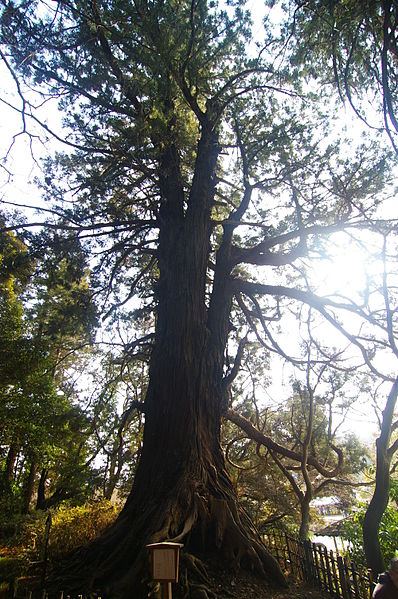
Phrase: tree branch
(254, 434)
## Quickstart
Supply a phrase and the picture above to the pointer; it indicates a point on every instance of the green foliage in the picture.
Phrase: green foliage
(351, 45)
(351, 531)
(75, 526)
(18, 543)
(394, 491)
(22, 538)
(46, 318)
(263, 486)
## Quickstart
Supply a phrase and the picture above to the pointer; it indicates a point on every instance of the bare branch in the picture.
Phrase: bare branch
(259, 437)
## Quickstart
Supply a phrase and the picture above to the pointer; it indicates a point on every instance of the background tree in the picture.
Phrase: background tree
(383, 312)
(26, 384)
(45, 314)
(118, 418)
(352, 531)
(305, 426)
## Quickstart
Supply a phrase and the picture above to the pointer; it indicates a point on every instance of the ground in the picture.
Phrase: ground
(221, 583)
(248, 587)
(227, 584)
(217, 583)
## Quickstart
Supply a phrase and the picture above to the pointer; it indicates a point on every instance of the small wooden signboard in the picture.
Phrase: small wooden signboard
(164, 561)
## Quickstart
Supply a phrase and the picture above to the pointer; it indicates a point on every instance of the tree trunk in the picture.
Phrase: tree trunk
(379, 501)
(305, 519)
(115, 469)
(10, 465)
(41, 490)
(29, 488)
(374, 513)
(181, 490)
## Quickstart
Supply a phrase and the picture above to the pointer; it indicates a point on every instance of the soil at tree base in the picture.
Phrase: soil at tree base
(241, 586)
(223, 583)
(229, 584)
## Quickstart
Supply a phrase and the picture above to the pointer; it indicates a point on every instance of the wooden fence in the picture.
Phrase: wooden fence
(313, 563)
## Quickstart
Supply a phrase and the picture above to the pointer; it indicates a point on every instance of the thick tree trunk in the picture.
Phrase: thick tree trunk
(181, 490)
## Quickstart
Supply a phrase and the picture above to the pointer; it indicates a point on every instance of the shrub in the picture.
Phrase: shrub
(11, 568)
(75, 526)
(18, 537)
(71, 527)
(388, 534)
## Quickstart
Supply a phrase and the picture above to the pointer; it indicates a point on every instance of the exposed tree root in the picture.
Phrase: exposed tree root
(199, 591)
(117, 564)
(195, 566)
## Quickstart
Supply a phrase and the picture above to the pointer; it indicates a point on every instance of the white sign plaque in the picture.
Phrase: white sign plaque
(164, 564)
(164, 560)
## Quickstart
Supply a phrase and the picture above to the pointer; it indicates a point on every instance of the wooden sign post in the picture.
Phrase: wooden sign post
(164, 565)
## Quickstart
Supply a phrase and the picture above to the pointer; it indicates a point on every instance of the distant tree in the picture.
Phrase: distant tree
(381, 314)
(385, 450)
(117, 418)
(352, 531)
(304, 425)
(41, 331)
(26, 386)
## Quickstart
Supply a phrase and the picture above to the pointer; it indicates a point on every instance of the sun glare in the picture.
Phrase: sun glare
(347, 269)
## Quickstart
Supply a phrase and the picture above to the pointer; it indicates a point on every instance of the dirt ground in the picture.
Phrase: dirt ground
(295, 591)
(219, 583)
(243, 585)
(247, 588)
(252, 590)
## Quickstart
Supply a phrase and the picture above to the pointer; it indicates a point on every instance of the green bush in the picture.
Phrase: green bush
(75, 526)
(19, 535)
(11, 568)
(71, 527)
(388, 534)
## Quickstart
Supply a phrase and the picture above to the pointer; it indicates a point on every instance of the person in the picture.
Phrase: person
(387, 583)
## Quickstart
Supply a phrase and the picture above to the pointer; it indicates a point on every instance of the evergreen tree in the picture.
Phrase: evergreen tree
(46, 315)
(353, 46)
(201, 166)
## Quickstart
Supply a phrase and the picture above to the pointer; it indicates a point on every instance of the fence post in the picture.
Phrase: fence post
(318, 574)
(335, 576)
(318, 566)
(343, 582)
(289, 554)
(308, 565)
(328, 570)
(45, 556)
